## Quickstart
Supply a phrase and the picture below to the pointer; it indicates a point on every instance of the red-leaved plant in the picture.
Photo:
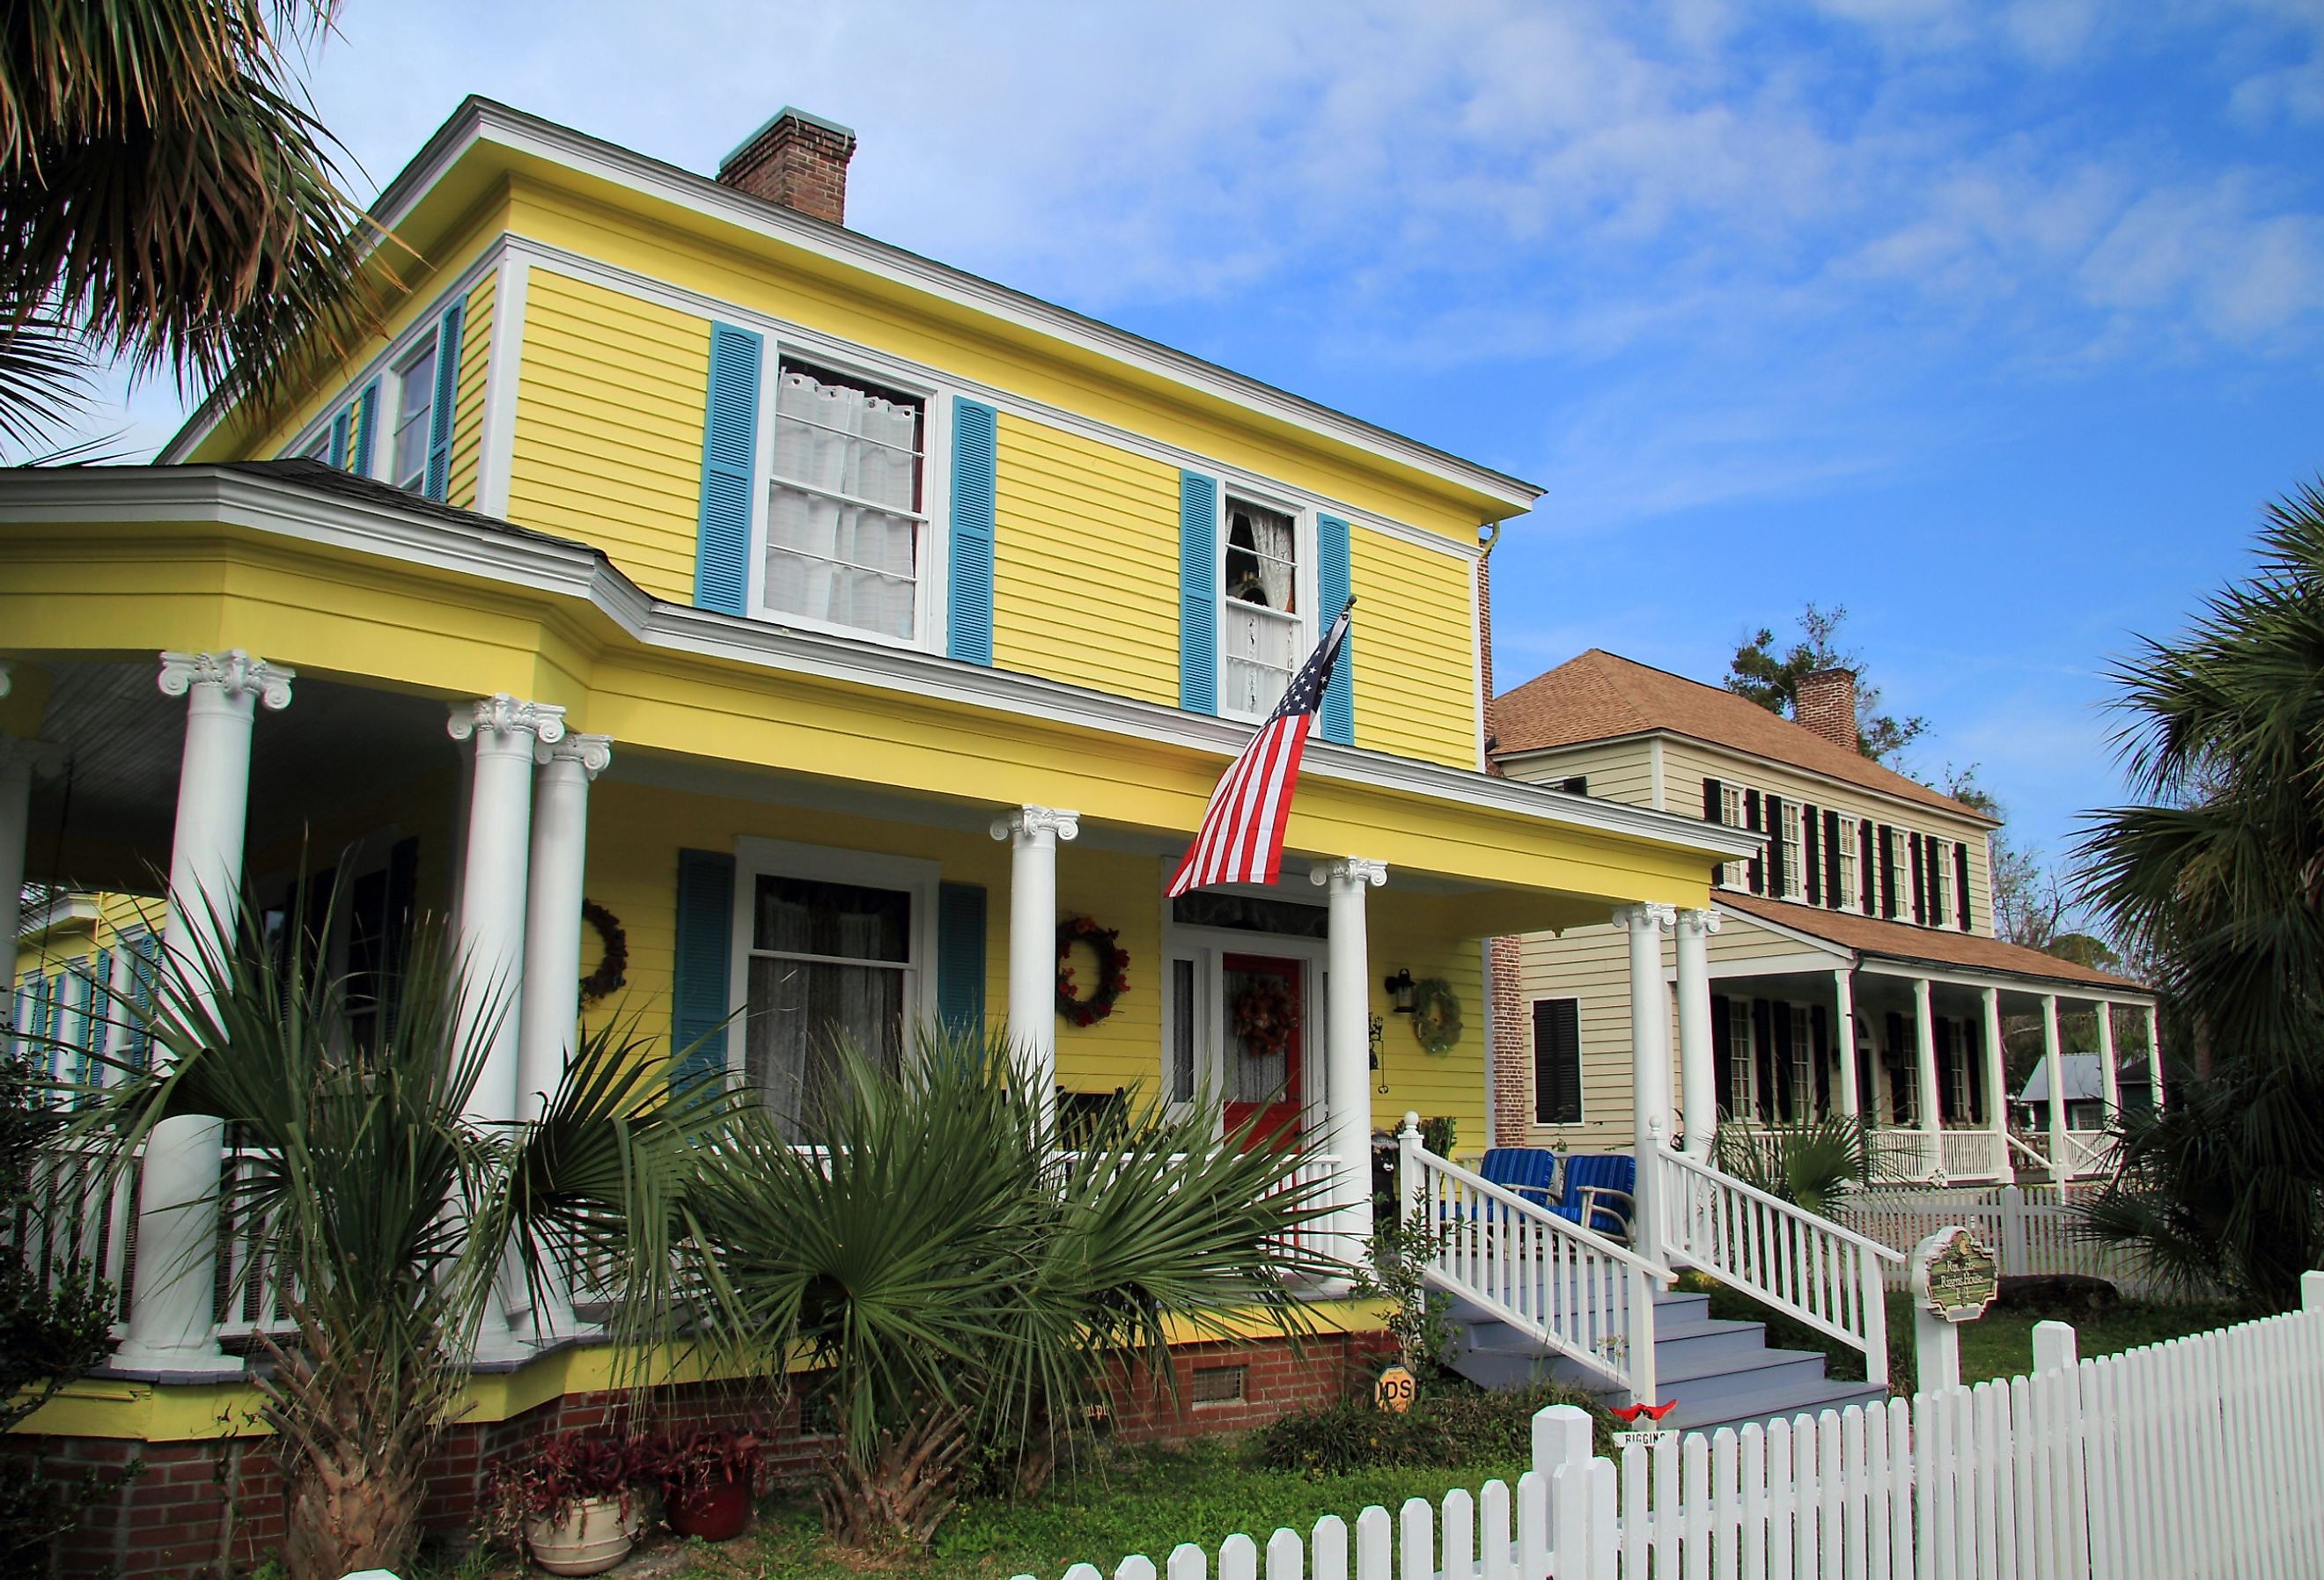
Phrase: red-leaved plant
(705, 1458)
(551, 1477)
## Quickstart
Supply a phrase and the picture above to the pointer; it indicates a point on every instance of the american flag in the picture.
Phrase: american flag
(1241, 840)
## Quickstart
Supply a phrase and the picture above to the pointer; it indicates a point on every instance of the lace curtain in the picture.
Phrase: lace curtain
(801, 1011)
(1260, 633)
(841, 541)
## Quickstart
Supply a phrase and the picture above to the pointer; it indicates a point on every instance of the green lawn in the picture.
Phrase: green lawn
(2000, 1344)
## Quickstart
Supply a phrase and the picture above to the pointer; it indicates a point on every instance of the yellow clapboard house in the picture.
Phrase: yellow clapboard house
(814, 628)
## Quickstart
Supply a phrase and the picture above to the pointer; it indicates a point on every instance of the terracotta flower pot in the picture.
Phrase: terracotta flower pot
(591, 1538)
(715, 1512)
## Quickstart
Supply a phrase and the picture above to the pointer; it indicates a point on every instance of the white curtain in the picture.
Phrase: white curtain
(1259, 633)
(839, 546)
(803, 1012)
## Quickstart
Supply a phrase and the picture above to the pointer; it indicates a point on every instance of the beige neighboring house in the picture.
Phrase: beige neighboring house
(1851, 967)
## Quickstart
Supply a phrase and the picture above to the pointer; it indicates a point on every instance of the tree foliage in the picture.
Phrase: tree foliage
(1772, 680)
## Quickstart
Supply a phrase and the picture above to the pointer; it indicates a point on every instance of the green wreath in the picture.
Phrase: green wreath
(613, 969)
(1436, 1015)
(1112, 970)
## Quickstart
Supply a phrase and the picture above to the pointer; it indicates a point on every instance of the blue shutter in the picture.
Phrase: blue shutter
(366, 411)
(976, 454)
(960, 958)
(730, 453)
(1334, 585)
(1198, 593)
(699, 1006)
(439, 410)
(144, 965)
(97, 1023)
(339, 451)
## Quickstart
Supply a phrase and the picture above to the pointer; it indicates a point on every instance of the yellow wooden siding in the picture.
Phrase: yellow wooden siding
(468, 396)
(608, 442)
(1622, 772)
(1591, 965)
(1415, 651)
(1085, 563)
(1449, 1085)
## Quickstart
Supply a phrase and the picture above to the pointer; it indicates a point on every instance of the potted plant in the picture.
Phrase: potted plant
(573, 1499)
(707, 1480)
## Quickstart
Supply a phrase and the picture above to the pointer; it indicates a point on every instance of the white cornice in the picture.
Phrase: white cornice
(421, 535)
(481, 120)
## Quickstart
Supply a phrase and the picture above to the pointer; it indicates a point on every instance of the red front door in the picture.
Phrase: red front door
(1266, 1033)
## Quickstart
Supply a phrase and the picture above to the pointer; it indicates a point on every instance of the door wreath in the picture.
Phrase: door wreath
(1436, 1015)
(1265, 1017)
(1112, 970)
(613, 967)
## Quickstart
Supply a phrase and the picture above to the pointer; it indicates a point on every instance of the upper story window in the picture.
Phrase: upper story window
(1733, 875)
(844, 505)
(1795, 862)
(1941, 882)
(1897, 888)
(415, 407)
(1842, 854)
(1261, 642)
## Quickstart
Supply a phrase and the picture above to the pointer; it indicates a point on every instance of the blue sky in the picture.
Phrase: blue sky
(1995, 324)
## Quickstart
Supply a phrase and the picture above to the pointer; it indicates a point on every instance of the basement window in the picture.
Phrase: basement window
(1219, 1384)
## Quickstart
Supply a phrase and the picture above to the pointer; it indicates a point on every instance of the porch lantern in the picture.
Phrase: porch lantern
(1400, 990)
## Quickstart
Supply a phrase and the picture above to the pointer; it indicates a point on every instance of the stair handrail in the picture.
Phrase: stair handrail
(2018, 1143)
(1765, 1260)
(1557, 1281)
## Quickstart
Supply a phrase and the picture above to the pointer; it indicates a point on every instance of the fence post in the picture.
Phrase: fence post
(2311, 1291)
(2013, 1255)
(1873, 1293)
(1561, 1437)
(1408, 1166)
(2055, 1348)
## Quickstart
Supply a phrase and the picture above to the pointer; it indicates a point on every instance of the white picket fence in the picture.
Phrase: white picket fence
(2199, 1457)
(2031, 1228)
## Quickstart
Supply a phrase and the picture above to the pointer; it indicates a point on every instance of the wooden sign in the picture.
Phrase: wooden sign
(1396, 1390)
(1955, 1278)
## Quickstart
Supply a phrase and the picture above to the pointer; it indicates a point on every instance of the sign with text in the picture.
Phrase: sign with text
(1955, 1278)
(1396, 1390)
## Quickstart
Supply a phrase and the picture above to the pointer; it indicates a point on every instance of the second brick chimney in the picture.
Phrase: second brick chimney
(1825, 703)
(797, 160)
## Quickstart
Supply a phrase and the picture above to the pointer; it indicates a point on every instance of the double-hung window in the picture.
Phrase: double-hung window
(1843, 853)
(1795, 862)
(1260, 633)
(1742, 1077)
(415, 408)
(845, 515)
(1733, 875)
(1900, 857)
(1941, 882)
(1803, 1070)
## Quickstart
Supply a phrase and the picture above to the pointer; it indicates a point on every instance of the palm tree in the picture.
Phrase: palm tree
(1810, 1162)
(955, 1280)
(2218, 878)
(166, 200)
(379, 1216)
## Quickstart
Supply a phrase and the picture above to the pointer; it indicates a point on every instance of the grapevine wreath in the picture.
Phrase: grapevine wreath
(613, 971)
(1265, 1016)
(1436, 1015)
(1112, 968)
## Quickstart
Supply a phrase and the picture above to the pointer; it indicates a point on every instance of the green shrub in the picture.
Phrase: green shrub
(1449, 1429)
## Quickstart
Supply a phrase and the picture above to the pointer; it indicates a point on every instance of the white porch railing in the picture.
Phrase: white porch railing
(1809, 1267)
(2089, 1154)
(1567, 1287)
(2033, 1229)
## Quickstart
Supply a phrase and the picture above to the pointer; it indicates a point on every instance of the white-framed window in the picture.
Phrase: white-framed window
(1264, 569)
(1733, 875)
(1900, 857)
(1802, 1107)
(833, 950)
(1843, 854)
(1957, 1072)
(1794, 861)
(414, 382)
(1742, 1074)
(846, 541)
(1941, 882)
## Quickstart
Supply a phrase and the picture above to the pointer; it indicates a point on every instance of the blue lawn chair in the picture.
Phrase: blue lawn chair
(1599, 1193)
(1530, 1172)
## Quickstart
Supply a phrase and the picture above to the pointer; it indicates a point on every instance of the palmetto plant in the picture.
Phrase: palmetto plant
(955, 1280)
(1807, 1163)
(380, 1216)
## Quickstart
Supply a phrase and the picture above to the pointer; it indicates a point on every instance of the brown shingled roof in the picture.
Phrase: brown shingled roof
(1897, 940)
(1600, 696)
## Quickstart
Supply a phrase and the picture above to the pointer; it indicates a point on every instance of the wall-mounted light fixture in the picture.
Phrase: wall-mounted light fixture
(1398, 989)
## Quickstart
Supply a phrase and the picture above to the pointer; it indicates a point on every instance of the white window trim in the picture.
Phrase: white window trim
(1305, 537)
(1736, 873)
(1742, 1066)
(756, 858)
(932, 571)
(1803, 1064)
(1940, 883)
(1795, 847)
(1847, 853)
(1900, 853)
(1208, 948)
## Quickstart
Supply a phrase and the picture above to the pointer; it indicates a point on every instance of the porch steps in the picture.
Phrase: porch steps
(1721, 1373)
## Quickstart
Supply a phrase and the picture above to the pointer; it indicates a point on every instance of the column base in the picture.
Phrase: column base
(155, 1363)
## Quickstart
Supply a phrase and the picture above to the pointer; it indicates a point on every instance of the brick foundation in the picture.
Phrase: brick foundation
(215, 1508)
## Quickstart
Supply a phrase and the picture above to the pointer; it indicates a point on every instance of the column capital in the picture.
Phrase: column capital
(45, 758)
(592, 753)
(1921, 988)
(1705, 922)
(1353, 869)
(506, 717)
(1649, 914)
(233, 672)
(1030, 821)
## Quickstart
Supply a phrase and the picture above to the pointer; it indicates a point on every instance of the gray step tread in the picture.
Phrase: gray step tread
(1499, 1338)
(1735, 1365)
(1775, 1403)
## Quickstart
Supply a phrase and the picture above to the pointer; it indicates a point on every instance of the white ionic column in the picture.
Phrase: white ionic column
(493, 883)
(2060, 1164)
(173, 1324)
(552, 937)
(1924, 1046)
(1843, 1009)
(1347, 1049)
(1649, 1063)
(2110, 1081)
(2154, 1053)
(1698, 1079)
(1997, 1085)
(1033, 833)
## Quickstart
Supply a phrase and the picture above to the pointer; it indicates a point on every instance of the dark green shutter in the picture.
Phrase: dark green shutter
(1887, 845)
(729, 460)
(1867, 870)
(1198, 593)
(1334, 585)
(976, 470)
(439, 412)
(1557, 1061)
(1961, 886)
(960, 958)
(1811, 854)
(1710, 800)
(699, 1001)
(1919, 879)
(1758, 860)
(1771, 812)
(366, 411)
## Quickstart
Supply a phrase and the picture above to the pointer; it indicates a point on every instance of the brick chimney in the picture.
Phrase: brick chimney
(1826, 704)
(797, 160)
